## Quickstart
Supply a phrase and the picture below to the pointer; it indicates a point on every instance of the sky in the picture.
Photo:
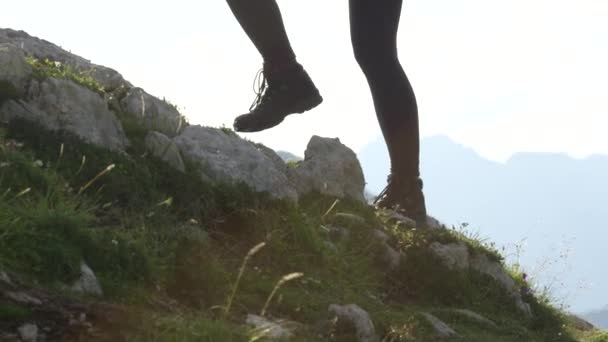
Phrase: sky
(498, 76)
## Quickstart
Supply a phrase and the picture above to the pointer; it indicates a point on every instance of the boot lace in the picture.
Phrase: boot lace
(261, 90)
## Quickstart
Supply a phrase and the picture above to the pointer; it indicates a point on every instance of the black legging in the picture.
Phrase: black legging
(373, 27)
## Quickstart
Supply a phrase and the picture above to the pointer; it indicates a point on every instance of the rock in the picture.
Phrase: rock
(59, 104)
(406, 221)
(15, 73)
(330, 168)
(453, 255)
(5, 278)
(272, 155)
(42, 49)
(28, 332)
(152, 113)
(353, 315)
(474, 316)
(88, 283)
(23, 298)
(457, 256)
(228, 158)
(390, 256)
(433, 223)
(164, 148)
(441, 329)
(580, 323)
(269, 329)
(495, 270)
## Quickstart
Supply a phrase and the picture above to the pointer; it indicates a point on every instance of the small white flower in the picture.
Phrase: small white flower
(38, 163)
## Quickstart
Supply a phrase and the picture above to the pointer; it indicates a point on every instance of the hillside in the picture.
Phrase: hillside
(550, 204)
(120, 221)
(598, 317)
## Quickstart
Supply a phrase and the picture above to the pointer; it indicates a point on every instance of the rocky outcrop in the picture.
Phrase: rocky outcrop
(330, 168)
(42, 49)
(59, 104)
(15, 73)
(225, 157)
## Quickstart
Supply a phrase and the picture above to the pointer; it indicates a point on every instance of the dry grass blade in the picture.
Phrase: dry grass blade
(99, 175)
(280, 283)
(250, 254)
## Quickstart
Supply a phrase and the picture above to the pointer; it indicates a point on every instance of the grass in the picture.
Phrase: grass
(45, 68)
(153, 235)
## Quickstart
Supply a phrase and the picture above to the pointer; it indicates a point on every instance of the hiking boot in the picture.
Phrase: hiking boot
(405, 197)
(279, 94)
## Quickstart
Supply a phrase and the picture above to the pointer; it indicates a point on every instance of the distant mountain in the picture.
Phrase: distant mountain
(555, 202)
(288, 156)
(598, 318)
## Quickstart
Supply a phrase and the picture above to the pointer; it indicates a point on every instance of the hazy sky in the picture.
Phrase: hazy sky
(498, 76)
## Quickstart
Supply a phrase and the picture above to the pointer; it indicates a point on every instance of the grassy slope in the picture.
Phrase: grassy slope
(167, 248)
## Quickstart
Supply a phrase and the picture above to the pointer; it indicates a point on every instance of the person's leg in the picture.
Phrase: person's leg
(263, 23)
(374, 25)
(289, 89)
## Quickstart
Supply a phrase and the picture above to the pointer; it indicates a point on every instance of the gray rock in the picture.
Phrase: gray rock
(88, 283)
(15, 73)
(453, 255)
(330, 168)
(228, 158)
(441, 329)
(265, 328)
(28, 332)
(580, 323)
(274, 156)
(433, 223)
(406, 221)
(353, 315)
(152, 113)
(391, 257)
(165, 149)
(42, 49)
(5, 278)
(23, 298)
(457, 256)
(495, 270)
(474, 316)
(61, 104)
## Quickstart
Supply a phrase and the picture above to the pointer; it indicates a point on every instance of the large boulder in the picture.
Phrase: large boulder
(225, 157)
(331, 168)
(42, 49)
(15, 72)
(152, 113)
(59, 104)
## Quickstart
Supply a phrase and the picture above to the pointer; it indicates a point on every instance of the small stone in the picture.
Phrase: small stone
(441, 329)
(358, 318)
(88, 283)
(28, 332)
(267, 328)
(473, 315)
(5, 278)
(23, 298)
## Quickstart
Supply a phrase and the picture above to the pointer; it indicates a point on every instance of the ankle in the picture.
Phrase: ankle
(278, 69)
